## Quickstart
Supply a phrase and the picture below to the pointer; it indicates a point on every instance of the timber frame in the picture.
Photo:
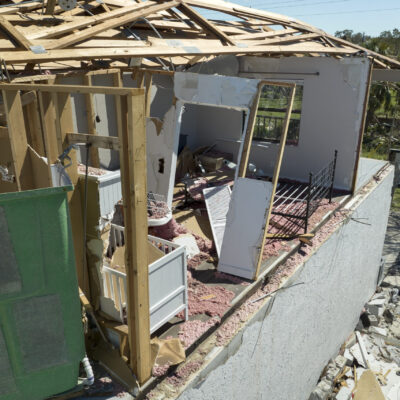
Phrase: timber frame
(53, 135)
(165, 34)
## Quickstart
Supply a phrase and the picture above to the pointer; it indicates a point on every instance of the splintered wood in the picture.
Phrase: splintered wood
(178, 29)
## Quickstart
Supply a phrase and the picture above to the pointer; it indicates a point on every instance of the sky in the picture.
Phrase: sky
(368, 16)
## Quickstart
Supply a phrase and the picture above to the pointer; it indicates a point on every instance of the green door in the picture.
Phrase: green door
(41, 334)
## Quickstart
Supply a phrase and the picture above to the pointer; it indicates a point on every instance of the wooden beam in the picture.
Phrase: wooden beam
(168, 51)
(14, 33)
(64, 124)
(32, 123)
(110, 23)
(48, 119)
(244, 157)
(82, 22)
(362, 127)
(148, 80)
(91, 121)
(100, 142)
(275, 178)
(134, 190)
(205, 23)
(18, 140)
(26, 98)
(54, 88)
(262, 35)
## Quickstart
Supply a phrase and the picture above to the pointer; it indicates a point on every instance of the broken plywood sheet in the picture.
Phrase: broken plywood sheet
(217, 203)
(118, 258)
(244, 230)
(368, 388)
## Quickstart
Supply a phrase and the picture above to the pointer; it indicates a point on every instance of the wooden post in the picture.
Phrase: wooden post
(91, 115)
(18, 139)
(362, 127)
(134, 191)
(64, 124)
(244, 159)
(275, 178)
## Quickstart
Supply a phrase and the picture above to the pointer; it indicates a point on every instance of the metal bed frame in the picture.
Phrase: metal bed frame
(294, 203)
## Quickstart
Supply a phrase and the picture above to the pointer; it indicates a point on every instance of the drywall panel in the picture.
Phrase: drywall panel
(333, 98)
(280, 356)
(162, 149)
(215, 89)
(106, 120)
(244, 227)
(213, 126)
(162, 92)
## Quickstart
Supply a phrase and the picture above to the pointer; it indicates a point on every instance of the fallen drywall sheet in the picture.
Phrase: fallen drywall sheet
(162, 150)
(244, 227)
(215, 90)
(217, 203)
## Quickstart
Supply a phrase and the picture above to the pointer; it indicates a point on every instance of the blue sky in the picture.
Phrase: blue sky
(369, 16)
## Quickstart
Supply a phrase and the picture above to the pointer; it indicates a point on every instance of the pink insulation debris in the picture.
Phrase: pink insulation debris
(168, 231)
(160, 370)
(209, 300)
(157, 209)
(190, 331)
(184, 372)
(204, 245)
(196, 189)
(196, 260)
(91, 170)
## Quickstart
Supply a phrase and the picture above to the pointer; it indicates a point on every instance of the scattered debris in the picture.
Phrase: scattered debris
(369, 368)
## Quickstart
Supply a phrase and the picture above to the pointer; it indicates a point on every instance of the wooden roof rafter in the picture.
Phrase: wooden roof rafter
(159, 28)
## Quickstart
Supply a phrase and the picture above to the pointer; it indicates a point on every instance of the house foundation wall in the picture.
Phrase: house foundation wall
(282, 351)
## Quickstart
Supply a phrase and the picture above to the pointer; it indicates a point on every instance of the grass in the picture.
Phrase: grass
(372, 153)
(396, 200)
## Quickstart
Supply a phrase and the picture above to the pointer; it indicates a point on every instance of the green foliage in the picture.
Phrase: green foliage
(383, 115)
(396, 200)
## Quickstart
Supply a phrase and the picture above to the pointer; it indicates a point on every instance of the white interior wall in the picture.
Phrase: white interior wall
(331, 113)
(207, 125)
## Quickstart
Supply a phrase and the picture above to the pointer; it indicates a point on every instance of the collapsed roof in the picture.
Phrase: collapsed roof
(155, 33)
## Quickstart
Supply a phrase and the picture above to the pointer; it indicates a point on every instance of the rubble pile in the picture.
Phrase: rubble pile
(373, 347)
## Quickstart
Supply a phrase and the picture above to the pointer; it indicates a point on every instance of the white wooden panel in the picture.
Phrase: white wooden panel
(244, 227)
(217, 203)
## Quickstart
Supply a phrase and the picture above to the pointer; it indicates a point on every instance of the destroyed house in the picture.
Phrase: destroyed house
(197, 183)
